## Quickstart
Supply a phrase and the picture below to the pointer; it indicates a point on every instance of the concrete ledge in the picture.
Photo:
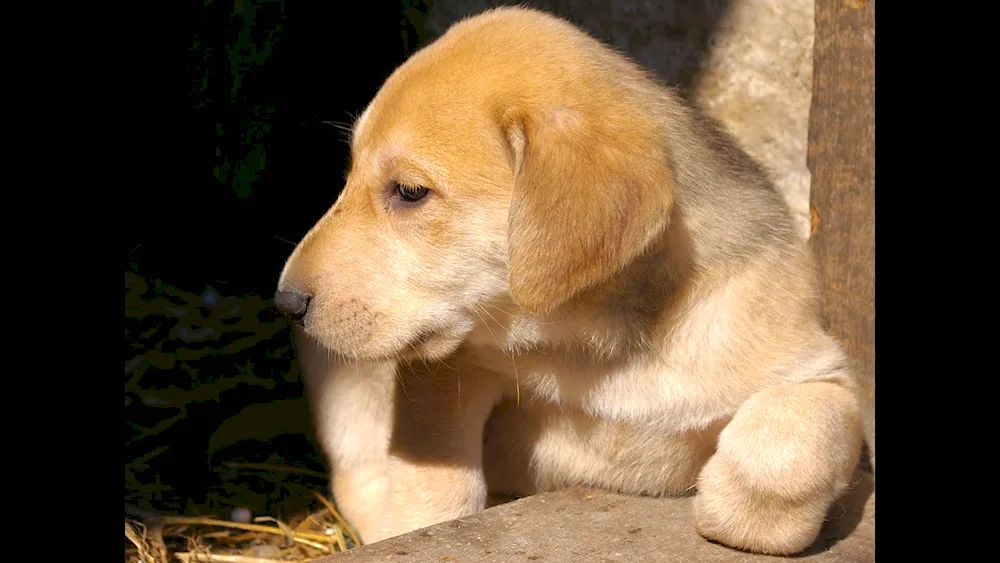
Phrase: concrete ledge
(594, 526)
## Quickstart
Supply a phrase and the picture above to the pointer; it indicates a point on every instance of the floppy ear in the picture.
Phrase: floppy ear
(592, 190)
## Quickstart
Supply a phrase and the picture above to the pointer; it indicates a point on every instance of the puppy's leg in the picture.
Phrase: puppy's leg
(352, 406)
(436, 451)
(789, 452)
(510, 439)
(534, 447)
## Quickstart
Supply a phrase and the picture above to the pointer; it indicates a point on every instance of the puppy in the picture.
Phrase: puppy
(545, 270)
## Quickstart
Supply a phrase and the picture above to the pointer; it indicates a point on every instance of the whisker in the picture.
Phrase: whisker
(339, 125)
(419, 357)
(517, 379)
(346, 130)
(514, 315)
(285, 240)
(508, 313)
(492, 317)
(401, 383)
(487, 325)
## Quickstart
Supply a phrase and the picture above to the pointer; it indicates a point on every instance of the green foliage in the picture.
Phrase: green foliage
(223, 88)
(413, 15)
(237, 42)
(184, 352)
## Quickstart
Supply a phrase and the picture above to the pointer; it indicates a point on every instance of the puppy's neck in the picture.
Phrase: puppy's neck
(621, 316)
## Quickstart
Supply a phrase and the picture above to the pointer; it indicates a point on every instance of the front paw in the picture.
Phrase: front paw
(730, 512)
(424, 495)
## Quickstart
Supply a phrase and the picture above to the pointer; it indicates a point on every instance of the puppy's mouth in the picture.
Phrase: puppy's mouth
(374, 342)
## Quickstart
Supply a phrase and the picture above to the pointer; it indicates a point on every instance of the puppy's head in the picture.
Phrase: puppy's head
(514, 156)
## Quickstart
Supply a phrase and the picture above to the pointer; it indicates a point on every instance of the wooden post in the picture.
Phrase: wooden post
(842, 161)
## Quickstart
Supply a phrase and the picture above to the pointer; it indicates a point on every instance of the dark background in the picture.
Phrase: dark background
(240, 162)
(237, 162)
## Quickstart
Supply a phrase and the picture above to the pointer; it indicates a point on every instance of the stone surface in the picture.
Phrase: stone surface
(583, 525)
(757, 80)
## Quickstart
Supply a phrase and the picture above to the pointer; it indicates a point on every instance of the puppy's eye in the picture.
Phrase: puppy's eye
(411, 193)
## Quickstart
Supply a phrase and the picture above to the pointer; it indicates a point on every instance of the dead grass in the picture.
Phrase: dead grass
(267, 539)
(215, 422)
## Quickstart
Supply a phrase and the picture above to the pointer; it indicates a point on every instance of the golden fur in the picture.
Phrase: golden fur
(599, 289)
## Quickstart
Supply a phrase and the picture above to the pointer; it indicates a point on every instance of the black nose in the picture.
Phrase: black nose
(292, 304)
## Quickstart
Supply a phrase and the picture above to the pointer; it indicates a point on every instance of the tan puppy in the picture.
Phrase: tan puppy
(545, 270)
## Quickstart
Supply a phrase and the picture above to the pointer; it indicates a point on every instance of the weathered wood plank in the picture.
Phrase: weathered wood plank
(842, 162)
